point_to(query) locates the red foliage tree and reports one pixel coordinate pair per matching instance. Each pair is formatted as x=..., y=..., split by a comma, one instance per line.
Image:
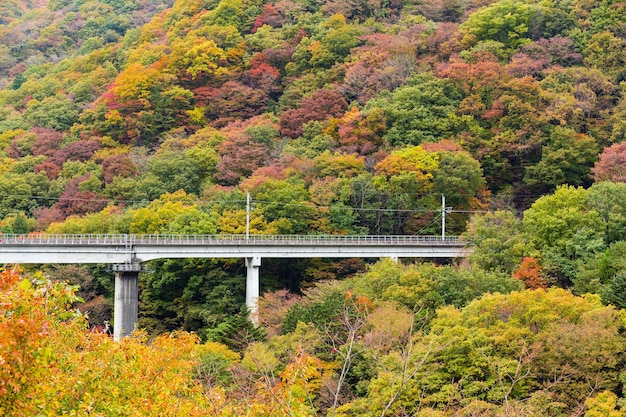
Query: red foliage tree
x=74, y=202
x=322, y=105
x=244, y=150
x=533, y=58
x=269, y=16
x=261, y=75
x=118, y=165
x=46, y=216
x=522, y=64
x=261, y=175
x=445, y=41
x=37, y=141
x=51, y=169
x=557, y=50
x=233, y=101
x=241, y=156
x=476, y=77
x=383, y=63
x=444, y=10
x=612, y=164
x=445, y=145
x=81, y=150
x=279, y=57
x=47, y=142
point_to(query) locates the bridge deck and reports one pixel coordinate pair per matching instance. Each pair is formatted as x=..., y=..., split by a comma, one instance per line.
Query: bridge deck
x=122, y=248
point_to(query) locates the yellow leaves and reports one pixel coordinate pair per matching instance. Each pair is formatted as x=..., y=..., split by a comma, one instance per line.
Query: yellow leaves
x=7, y=136
x=219, y=349
x=603, y=405
x=410, y=159
x=339, y=165
x=280, y=392
x=205, y=57
x=319, y=54
x=234, y=56
x=111, y=148
x=336, y=21
x=7, y=165
x=362, y=303
x=196, y=116
x=137, y=81
x=234, y=222
x=260, y=358
x=131, y=378
x=30, y=314
x=148, y=55
x=151, y=220
x=302, y=377
x=51, y=366
x=162, y=215
x=207, y=51
x=109, y=220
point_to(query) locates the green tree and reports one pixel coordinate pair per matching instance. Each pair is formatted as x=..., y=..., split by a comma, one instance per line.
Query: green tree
x=334, y=46
x=459, y=177
x=172, y=213
x=554, y=219
x=175, y=172
x=605, y=51
x=596, y=273
x=614, y=292
x=565, y=230
x=22, y=192
x=18, y=223
x=503, y=349
x=286, y=202
x=237, y=331
x=56, y=112
x=505, y=21
x=607, y=198
x=499, y=243
x=420, y=111
x=567, y=158
x=195, y=295
x=423, y=287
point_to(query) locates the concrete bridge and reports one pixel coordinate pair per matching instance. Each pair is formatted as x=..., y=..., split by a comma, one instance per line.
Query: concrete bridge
x=127, y=252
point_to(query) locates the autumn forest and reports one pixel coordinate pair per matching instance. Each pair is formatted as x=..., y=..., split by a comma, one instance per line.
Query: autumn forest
x=336, y=117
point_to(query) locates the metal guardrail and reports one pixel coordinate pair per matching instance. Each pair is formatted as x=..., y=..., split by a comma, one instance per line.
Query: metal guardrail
x=173, y=239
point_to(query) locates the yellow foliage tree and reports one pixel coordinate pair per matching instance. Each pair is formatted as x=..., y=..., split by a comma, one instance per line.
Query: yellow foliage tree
x=50, y=365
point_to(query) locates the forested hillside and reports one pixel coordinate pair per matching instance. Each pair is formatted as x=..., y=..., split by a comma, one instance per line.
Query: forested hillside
x=338, y=117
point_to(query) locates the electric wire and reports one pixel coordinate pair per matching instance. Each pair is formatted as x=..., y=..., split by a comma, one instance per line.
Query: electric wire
x=255, y=201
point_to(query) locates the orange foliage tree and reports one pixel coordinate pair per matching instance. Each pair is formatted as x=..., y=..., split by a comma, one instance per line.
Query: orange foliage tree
x=529, y=272
x=51, y=365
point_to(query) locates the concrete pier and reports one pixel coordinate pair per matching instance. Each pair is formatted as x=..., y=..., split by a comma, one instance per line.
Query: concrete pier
x=253, y=265
x=126, y=307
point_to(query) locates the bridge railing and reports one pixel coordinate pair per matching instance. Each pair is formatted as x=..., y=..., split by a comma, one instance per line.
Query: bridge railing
x=292, y=239
x=176, y=239
x=63, y=239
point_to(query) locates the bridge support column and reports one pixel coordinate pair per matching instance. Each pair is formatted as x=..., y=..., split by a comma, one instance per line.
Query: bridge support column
x=253, y=265
x=126, y=307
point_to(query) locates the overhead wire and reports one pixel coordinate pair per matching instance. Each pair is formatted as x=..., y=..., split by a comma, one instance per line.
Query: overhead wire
x=255, y=201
